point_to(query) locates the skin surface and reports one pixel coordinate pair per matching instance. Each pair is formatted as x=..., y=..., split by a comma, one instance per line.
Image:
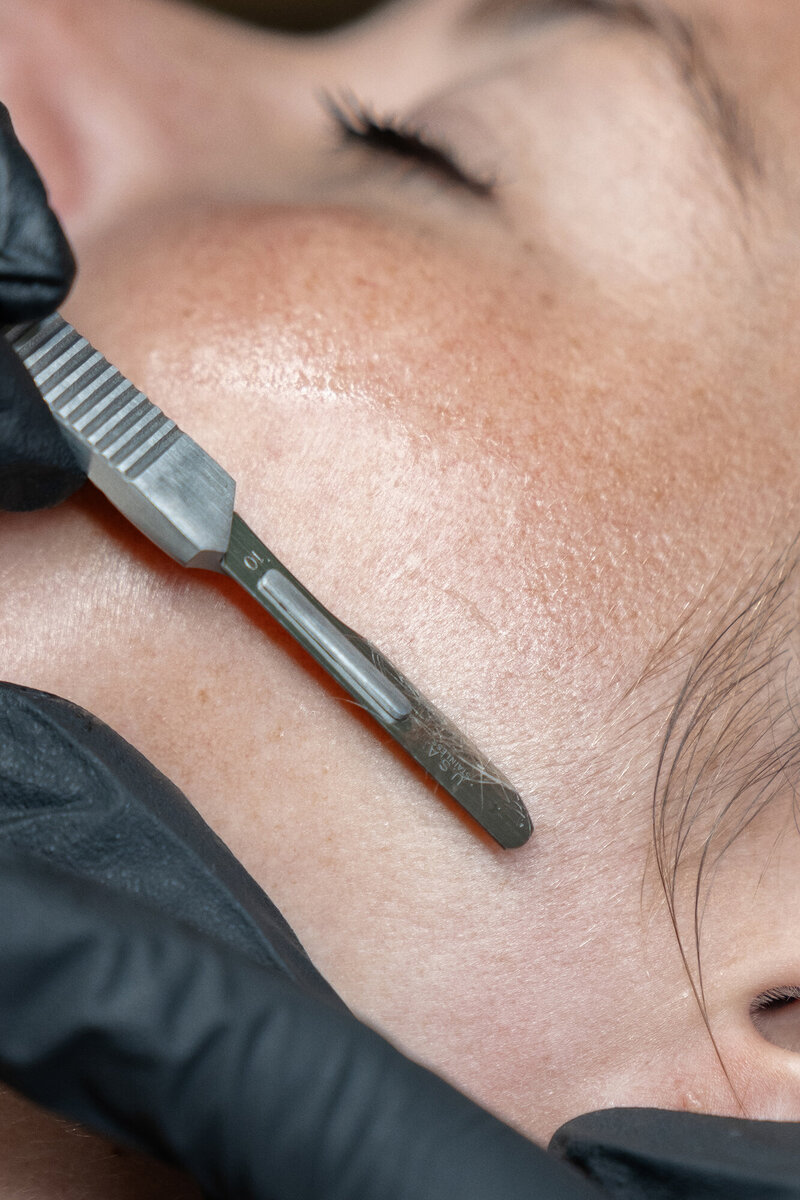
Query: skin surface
x=539, y=447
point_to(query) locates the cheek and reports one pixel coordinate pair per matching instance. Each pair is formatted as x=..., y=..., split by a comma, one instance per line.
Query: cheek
x=475, y=487
x=462, y=484
x=373, y=418
x=337, y=381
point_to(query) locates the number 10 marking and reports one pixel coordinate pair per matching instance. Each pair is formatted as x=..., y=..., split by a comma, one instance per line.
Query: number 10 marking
x=253, y=560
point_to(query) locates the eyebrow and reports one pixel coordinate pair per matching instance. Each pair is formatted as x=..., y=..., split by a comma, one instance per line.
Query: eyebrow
x=717, y=107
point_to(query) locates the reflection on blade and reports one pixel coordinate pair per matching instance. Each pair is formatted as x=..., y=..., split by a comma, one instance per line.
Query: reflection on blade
x=369, y=677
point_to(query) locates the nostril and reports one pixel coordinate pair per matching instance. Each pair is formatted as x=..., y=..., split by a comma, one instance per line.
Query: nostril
x=775, y=1013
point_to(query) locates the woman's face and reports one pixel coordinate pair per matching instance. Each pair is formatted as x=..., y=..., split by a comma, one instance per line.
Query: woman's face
x=530, y=425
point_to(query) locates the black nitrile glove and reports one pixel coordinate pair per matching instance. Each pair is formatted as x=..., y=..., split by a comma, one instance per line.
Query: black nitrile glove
x=650, y=1154
x=236, y=1061
x=76, y=794
x=175, y=1044
x=37, y=467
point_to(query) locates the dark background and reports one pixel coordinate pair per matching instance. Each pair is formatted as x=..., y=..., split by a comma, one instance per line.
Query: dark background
x=302, y=15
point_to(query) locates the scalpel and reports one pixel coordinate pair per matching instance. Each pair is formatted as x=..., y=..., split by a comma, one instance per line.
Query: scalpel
x=183, y=501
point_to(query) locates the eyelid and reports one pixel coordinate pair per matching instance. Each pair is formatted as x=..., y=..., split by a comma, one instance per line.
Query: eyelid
x=403, y=139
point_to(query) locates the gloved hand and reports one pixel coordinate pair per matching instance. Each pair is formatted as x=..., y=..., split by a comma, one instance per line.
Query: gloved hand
x=235, y=1060
x=37, y=468
x=223, y=1051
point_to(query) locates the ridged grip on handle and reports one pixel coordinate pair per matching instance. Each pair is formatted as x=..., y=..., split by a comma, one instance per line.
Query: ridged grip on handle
x=155, y=474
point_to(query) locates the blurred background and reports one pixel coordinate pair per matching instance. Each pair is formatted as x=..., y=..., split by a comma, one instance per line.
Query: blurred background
x=295, y=15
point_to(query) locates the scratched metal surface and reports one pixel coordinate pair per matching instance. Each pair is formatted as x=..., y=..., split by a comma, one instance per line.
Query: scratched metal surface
x=429, y=738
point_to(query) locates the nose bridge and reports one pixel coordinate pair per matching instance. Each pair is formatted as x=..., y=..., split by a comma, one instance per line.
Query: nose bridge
x=123, y=104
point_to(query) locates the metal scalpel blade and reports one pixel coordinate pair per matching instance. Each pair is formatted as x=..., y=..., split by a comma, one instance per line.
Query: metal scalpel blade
x=379, y=687
x=183, y=501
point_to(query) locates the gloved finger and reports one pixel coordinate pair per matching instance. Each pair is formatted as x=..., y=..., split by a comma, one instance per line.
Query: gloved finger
x=75, y=793
x=159, y=1037
x=641, y=1153
x=37, y=467
x=36, y=264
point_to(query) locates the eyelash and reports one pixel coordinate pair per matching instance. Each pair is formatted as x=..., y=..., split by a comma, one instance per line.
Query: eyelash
x=389, y=135
x=778, y=997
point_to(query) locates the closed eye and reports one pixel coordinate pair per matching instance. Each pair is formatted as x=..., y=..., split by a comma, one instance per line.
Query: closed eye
x=398, y=139
x=776, y=1016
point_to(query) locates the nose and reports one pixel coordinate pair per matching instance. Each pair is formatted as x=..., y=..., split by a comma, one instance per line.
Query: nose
x=119, y=106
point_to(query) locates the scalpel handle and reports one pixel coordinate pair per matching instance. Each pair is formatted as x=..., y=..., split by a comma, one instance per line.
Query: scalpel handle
x=183, y=501
x=154, y=473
